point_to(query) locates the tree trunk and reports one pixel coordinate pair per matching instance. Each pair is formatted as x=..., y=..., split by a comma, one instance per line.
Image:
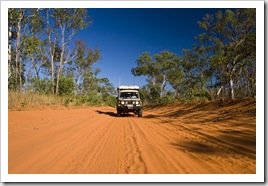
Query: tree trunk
x=52, y=71
x=219, y=91
x=163, y=87
x=58, y=78
x=224, y=91
x=203, y=87
x=9, y=44
x=20, y=73
x=249, y=91
x=231, y=88
x=57, y=83
x=61, y=57
x=211, y=84
x=52, y=46
x=9, y=50
x=59, y=73
x=18, y=49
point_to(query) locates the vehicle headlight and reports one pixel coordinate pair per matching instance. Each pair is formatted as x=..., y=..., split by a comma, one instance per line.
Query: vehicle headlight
x=122, y=102
x=137, y=102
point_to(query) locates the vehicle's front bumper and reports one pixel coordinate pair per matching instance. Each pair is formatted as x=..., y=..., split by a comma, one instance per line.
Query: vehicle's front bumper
x=129, y=107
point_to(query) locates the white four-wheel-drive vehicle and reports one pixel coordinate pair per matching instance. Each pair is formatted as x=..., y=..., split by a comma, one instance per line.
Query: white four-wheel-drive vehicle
x=128, y=100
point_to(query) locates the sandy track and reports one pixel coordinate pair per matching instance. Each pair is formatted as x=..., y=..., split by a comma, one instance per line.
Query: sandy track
x=94, y=140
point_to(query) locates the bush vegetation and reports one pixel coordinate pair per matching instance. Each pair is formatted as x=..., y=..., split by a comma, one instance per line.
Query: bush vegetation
x=43, y=68
x=30, y=101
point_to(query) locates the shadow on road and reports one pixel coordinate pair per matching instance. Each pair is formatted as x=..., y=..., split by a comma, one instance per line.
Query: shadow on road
x=150, y=116
x=225, y=143
x=112, y=114
x=107, y=113
x=196, y=147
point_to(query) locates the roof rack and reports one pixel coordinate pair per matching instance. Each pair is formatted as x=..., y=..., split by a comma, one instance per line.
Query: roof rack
x=133, y=87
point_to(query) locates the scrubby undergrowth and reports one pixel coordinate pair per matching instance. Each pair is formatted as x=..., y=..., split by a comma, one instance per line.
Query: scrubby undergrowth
x=33, y=101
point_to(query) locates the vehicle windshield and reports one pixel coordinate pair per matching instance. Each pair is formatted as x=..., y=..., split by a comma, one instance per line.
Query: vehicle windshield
x=125, y=95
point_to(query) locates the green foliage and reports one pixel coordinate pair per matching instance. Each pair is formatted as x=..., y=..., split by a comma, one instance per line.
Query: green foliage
x=204, y=94
x=158, y=69
x=31, y=44
x=68, y=100
x=93, y=99
x=41, y=85
x=90, y=82
x=224, y=56
x=107, y=92
x=14, y=79
x=110, y=100
x=144, y=94
x=166, y=100
x=232, y=42
x=13, y=82
x=66, y=85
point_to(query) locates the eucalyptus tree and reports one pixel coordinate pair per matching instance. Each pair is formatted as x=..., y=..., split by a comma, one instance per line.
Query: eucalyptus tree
x=15, y=34
x=33, y=45
x=105, y=88
x=52, y=37
x=176, y=76
x=157, y=69
x=68, y=22
x=232, y=36
x=62, y=24
x=197, y=70
x=22, y=25
x=13, y=16
x=83, y=62
x=165, y=61
x=90, y=82
x=146, y=66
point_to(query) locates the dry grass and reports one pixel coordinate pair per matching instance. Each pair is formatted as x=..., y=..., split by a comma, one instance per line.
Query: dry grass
x=30, y=101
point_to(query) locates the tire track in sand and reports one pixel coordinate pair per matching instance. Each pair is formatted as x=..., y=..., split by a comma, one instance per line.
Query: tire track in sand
x=206, y=148
x=49, y=149
x=87, y=141
x=87, y=159
x=134, y=160
x=159, y=155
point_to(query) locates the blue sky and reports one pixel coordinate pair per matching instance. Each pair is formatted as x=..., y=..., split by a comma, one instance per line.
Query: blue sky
x=124, y=34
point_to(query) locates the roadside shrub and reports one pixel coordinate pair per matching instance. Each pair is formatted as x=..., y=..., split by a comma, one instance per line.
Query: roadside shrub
x=41, y=85
x=66, y=85
x=110, y=100
x=21, y=101
x=203, y=94
x=92, y=98
x=166, y=100
x=68, y=100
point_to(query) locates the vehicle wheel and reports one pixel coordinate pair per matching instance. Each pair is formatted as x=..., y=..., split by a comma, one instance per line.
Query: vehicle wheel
x=118, y=112
x=140, y=113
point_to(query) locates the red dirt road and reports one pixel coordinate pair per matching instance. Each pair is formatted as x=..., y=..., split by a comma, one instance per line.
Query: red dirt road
x=166, y=140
